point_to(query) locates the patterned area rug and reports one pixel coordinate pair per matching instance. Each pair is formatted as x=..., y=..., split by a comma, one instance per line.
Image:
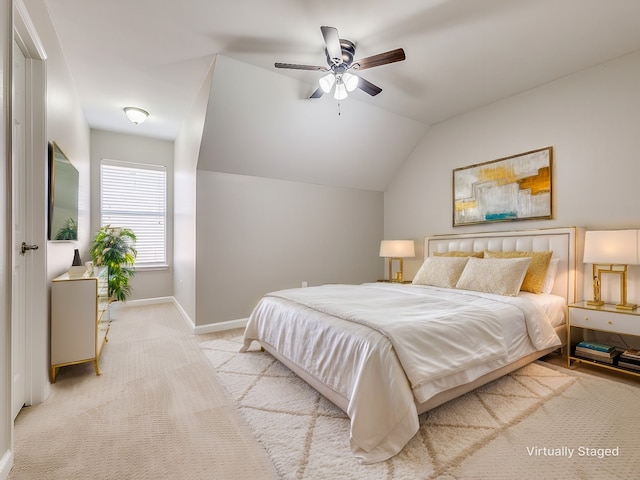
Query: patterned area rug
x=306, y=436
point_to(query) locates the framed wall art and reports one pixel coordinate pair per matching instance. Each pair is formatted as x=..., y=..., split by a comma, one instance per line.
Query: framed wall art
x=511, y=188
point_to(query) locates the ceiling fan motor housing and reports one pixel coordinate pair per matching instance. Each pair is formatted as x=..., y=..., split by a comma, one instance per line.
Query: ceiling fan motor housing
x=348, y=52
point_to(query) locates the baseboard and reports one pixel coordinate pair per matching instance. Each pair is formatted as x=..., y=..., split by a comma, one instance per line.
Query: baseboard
x=184, y=314
x=211, y=327
x=220, y=326
x=199, y=329
x=6, y=464
x=147, y=301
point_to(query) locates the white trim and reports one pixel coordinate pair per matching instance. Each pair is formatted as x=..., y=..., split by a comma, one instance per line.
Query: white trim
x=26, y=32
x=6, y=463
x=197, y=330
x=184, y=314
x=147, y=301
x=37, y=379
x=220, y=326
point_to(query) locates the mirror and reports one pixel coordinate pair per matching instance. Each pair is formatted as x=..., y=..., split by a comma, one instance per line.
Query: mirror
x=63, y=196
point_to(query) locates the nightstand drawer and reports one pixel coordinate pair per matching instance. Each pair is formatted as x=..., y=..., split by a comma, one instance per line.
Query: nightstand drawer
x=606, y=321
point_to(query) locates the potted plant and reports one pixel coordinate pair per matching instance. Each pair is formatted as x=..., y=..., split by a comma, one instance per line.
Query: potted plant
x=115, y=248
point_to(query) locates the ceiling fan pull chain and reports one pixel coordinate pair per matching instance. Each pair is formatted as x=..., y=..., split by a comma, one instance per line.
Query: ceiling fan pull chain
x=338, y=108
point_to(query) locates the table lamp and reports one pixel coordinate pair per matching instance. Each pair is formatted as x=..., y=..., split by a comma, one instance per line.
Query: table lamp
x=397, y=250
x=611, y=251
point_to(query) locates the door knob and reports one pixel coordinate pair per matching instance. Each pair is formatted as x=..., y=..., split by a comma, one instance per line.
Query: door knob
x=26, y=247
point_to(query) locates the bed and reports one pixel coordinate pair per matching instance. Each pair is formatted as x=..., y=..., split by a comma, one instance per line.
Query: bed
x=386, y=352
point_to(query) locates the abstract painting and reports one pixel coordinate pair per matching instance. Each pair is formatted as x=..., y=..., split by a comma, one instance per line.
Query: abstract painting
x=511, y=188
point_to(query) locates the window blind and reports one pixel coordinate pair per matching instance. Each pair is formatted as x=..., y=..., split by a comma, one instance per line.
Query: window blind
x=134, y=196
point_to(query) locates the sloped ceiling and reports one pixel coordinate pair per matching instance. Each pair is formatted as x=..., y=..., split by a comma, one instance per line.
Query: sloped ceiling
x=461, y=54
x=278, y=135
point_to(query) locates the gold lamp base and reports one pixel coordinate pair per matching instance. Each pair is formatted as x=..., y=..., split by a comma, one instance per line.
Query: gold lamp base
x=626, y=306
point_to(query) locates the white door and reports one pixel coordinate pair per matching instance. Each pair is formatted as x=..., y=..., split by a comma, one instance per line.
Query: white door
x=19, y=261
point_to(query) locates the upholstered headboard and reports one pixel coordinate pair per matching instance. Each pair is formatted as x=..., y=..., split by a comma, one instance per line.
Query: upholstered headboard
x=566, y=244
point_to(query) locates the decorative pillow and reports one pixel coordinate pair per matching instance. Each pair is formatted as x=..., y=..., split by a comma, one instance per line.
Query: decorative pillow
x=502, y=276
x=440, y=271
x=550, y=276
x=537, y=268
x=456, y=253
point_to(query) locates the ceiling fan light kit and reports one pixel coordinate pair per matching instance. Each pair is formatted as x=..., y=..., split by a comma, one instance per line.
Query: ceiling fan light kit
x=340, y=54
x=326, y=82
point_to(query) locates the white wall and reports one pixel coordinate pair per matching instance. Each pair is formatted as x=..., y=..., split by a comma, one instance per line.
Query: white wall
x=129, y=148
x=187, y=148
x=256, y=235
x=590, y=118
x=67, y=127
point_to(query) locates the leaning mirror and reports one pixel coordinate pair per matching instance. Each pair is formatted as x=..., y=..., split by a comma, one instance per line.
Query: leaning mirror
x=63, y=196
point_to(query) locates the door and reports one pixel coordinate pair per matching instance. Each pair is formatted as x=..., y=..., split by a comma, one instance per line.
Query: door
x=19, y=260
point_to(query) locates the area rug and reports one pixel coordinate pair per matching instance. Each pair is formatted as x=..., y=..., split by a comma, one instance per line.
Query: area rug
x=539, y=421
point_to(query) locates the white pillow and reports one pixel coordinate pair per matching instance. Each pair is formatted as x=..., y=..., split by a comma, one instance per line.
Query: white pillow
x=440, y=271
x=550, y=276
x=502, y=276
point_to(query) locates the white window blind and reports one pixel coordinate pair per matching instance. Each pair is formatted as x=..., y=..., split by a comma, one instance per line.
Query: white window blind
x=134, y=196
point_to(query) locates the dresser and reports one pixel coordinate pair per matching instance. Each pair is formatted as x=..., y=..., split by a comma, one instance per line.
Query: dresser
x=79, y=319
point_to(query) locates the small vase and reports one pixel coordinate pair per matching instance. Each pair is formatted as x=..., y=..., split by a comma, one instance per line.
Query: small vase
x=77, y=262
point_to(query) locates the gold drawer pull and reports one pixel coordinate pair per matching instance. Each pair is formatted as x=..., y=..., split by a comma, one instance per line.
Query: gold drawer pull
x=610, y=322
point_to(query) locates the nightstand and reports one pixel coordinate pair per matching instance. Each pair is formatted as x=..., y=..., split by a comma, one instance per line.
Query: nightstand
x=395, y=281
x=586, y=319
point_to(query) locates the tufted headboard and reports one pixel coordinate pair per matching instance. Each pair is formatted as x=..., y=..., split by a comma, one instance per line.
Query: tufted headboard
x=566, y=244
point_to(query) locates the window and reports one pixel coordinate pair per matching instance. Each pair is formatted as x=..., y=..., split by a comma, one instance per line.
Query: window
x=134, y=196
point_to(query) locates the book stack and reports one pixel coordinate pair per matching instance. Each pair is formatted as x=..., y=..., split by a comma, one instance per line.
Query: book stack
x=630, y=359
x=600, y=352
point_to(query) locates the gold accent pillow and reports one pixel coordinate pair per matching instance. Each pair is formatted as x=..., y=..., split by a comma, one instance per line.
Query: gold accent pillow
x=440, y=271
x=456, y=253
x=534, y=278
x=502, y=276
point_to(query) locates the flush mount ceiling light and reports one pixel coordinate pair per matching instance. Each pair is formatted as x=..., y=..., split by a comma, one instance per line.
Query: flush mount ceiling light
x=136, y=115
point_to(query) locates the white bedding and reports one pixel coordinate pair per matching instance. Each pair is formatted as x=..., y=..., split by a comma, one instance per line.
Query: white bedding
x=385, y=347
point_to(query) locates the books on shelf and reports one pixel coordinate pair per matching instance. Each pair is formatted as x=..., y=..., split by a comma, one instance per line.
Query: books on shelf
x=598, y=347
x=632, y=354
x=630, y=366
x=604, y=353
x=630, y=359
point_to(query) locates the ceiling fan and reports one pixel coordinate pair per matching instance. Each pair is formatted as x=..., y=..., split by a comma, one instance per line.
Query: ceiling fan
x=340, y=63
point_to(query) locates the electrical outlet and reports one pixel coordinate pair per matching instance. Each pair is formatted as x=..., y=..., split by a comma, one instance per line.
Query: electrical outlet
x=304, y=285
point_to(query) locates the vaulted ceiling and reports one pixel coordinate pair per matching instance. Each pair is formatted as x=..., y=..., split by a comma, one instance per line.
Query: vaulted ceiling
x=460, y=55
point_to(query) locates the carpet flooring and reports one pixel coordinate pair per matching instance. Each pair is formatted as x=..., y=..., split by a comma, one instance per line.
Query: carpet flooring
x=155, y=412
x=541, y=421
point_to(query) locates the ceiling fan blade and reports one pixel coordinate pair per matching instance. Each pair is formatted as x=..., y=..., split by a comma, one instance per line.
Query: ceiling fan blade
x=392, y=56
x=368, y=87
x=317, y=94
x=332, y=41
x=295, y=66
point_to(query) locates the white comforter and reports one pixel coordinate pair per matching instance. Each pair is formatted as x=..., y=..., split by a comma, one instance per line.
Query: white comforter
x=382, y=345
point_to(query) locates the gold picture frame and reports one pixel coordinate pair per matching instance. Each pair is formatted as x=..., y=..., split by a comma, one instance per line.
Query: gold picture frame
x=518, y=187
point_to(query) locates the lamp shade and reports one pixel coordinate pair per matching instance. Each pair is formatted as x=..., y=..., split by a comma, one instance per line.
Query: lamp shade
x=614, y=247
x=341, y=91
x=327, y=82
x=397, y=248
x=350, y=81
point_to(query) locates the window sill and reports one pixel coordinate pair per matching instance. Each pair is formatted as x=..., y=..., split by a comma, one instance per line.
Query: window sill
x=150, y=268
